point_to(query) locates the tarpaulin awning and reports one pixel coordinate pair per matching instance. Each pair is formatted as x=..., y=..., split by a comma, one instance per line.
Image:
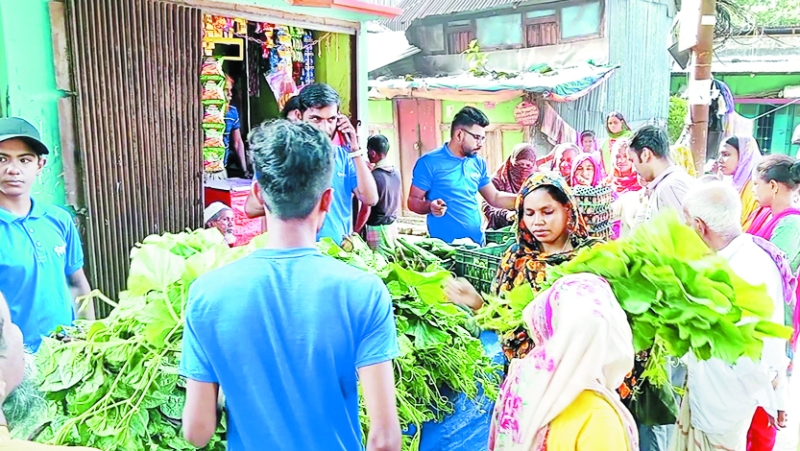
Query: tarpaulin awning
x=560, y=85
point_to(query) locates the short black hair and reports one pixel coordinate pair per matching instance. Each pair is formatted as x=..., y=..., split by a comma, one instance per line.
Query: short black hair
x=653, y=138
x=780, y=168
x=378, y=143
x=467, y=117
x=586, y=133
x=317, y=95
x=291, y=105
x=293, y=163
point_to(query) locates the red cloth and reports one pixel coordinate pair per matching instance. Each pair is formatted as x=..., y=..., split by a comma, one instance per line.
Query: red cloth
x=761, y=436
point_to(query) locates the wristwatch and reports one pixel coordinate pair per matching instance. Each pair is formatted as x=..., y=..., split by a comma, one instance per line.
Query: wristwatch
x=357, y=153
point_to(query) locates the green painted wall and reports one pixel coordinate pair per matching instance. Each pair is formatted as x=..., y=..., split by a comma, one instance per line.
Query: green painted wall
x=27, y=83
x=497, y=113
x=333, y=65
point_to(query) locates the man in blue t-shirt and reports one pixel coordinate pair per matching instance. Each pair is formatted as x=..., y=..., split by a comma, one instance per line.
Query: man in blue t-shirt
x=290, y=345
x=233, y=136
x=446, y=182
x=41, y=258
x=318, y=105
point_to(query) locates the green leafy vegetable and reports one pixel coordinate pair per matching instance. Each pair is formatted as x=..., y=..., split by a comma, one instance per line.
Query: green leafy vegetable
x=113, y=384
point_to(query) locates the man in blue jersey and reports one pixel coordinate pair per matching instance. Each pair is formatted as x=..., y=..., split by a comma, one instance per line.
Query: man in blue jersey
x=41, y=258
x=446, y=182
x=318, y=105
x=291, y=344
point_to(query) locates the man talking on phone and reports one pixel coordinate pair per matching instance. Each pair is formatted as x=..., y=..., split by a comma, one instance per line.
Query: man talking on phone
x=319, y=106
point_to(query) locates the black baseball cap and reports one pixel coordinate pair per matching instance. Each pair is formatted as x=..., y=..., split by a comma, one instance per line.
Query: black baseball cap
x=18, y=128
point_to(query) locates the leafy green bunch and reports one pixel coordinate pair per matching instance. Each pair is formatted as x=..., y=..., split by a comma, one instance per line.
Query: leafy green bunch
x=438, y=347
x=113, y=384
x=678, y=294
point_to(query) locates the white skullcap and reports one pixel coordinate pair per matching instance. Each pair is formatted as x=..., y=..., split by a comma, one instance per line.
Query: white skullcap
x=213, y=210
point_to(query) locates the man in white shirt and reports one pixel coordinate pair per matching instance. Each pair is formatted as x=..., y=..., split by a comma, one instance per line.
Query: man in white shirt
x=723, y=398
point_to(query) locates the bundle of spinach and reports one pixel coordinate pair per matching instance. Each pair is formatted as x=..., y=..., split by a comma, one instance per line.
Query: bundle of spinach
x=678, y=295
x=438, y=349
x=113, y=384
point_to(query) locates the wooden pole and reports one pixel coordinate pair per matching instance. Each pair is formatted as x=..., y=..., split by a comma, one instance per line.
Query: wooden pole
x=700, y=83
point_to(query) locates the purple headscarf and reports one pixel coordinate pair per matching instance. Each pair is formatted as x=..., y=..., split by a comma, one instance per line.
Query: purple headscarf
x=749, y=155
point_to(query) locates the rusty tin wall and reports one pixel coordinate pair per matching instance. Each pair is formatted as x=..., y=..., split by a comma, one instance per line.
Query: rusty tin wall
x=136, y=66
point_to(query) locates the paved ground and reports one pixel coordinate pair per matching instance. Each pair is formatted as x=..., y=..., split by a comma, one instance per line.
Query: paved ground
x=787, y=438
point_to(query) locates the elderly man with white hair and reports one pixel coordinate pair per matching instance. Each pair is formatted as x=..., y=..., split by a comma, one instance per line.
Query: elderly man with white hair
x=723, y=398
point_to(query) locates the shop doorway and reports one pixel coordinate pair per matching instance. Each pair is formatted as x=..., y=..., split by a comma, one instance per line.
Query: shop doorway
x=418, y=134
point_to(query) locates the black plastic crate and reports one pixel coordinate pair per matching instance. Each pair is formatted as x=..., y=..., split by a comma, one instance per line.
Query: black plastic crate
x=479, y=266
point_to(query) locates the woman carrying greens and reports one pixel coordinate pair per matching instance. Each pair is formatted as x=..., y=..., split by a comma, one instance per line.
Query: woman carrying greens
x=550, y=231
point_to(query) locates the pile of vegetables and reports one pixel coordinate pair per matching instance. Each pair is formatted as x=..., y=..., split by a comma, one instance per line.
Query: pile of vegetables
x=114, y=384
x=438, y=342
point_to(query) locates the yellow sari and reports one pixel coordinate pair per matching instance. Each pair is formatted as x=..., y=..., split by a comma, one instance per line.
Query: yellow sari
x=750, y=204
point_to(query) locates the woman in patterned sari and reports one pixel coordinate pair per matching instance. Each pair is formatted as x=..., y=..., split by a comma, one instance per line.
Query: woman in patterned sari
x=561, y=395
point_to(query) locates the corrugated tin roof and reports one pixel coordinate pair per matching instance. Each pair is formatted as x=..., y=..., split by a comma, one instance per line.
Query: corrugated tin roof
x=419, y=9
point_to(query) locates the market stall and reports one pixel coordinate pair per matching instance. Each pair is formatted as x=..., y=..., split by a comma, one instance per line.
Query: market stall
x=251, y=69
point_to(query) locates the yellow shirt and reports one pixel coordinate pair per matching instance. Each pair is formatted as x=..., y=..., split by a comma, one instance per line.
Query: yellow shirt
x=590, y=423
x=8, y=444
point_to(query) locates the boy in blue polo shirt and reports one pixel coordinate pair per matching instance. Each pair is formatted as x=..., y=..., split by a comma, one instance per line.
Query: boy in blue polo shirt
x=291, y=345
x=318, y=104
x=41, y=259
x=446, y=182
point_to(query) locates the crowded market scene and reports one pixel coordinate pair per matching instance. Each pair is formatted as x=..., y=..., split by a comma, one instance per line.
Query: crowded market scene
x=399, y=226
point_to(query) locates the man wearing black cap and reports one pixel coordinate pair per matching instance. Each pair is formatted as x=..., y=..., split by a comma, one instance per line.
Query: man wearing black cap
x=41, y=258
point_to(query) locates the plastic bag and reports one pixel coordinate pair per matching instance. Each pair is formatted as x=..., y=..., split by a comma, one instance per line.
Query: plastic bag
x=282, y=84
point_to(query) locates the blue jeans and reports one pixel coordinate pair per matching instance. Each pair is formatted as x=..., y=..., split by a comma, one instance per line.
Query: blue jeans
x=655, y=438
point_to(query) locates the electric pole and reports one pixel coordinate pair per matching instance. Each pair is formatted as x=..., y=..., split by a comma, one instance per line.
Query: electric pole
x=699, y=86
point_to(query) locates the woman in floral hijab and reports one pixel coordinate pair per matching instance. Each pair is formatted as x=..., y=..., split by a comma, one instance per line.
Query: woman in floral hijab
x=561, y=396
x=528, y=258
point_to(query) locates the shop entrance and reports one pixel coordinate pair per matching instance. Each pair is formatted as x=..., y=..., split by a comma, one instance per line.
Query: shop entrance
x=134, y=124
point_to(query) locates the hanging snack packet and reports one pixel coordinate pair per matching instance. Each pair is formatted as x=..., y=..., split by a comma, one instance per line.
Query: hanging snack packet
x=213, y=93
x=213, y=118
x=212, y=70
x=214, y=138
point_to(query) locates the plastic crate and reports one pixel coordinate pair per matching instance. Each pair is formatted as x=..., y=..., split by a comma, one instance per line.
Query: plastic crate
x=479, y=266
x=501, y=236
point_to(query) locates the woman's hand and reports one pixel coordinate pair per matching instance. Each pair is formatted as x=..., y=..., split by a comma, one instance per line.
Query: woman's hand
x=460, y=292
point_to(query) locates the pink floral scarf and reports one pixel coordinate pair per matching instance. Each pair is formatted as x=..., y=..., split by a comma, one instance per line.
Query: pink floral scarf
x=583, y=342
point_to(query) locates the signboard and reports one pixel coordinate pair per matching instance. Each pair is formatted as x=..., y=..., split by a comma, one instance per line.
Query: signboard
x=526, y=113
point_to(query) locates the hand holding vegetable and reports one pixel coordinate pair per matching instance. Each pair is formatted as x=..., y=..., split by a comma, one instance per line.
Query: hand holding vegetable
x=460, y=292
x=438, y=208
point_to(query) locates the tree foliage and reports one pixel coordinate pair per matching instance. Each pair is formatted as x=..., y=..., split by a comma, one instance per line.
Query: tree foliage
x=771, y=13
